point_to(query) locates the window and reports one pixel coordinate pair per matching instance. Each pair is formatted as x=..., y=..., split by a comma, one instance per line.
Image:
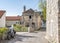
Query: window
x=33, y=24
x=20, y=23
x=30, y=17
x=27, y=25
x=17, y=22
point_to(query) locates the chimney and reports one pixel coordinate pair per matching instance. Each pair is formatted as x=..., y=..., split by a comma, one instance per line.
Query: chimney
x=24, y=8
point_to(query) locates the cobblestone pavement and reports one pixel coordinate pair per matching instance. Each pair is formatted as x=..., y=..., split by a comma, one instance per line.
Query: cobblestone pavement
x=25, y=37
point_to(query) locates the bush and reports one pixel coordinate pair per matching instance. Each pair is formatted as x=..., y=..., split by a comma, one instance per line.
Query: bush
x=3, y=31
x=20, y=28
x=24, y=29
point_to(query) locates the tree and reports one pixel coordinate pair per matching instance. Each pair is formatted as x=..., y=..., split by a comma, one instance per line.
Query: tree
x=42, y=6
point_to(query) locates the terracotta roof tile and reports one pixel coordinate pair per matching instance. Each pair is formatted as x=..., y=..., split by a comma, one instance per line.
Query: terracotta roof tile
x=2, y=12
x=13, y=18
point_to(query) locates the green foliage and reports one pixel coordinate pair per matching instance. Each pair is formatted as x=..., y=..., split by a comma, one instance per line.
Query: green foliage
x=3, y=31
x=24, y=29
x=20, y=28
x=42, y=6
x=44, y=13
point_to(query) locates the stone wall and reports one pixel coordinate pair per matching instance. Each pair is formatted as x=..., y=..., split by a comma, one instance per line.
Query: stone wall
x=52, y=21
x=59, y=20
x=9, y=23
x=34, y=22
x=3, y=20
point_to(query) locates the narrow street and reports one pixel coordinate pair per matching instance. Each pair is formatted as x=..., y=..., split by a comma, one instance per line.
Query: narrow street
x=25, y=37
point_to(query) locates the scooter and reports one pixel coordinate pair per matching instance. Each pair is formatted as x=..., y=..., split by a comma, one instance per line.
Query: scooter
x=11, y=34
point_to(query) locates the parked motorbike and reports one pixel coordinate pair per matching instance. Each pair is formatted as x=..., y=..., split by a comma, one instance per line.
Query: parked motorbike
x=11, y=34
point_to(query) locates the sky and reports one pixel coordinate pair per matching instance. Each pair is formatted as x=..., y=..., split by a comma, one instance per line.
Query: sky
x=15, y=7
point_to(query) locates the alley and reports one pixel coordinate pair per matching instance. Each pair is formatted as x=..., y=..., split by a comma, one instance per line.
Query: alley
x=25, y=37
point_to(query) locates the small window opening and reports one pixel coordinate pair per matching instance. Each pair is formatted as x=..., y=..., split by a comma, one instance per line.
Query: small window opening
x=30, y=17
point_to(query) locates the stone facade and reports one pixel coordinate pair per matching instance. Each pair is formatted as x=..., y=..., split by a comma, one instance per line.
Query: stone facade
x=31, y=18
x=53, y=26
x=2, y=18
x=10, y=20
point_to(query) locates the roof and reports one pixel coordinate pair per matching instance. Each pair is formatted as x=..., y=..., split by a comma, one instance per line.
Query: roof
x=1, y=13
x=13, y=18
x=29, y=11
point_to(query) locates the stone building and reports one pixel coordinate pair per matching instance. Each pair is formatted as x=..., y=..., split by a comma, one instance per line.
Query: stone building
x=53, y=21
x=2, y=18
x=10, y=20
x=31, y=18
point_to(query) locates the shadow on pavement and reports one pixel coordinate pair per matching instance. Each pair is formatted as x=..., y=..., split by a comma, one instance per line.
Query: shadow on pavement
x=19, y=38
x=22, y=37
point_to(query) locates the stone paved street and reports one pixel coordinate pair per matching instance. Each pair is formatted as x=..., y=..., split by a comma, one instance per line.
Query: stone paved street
x=25, y=37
